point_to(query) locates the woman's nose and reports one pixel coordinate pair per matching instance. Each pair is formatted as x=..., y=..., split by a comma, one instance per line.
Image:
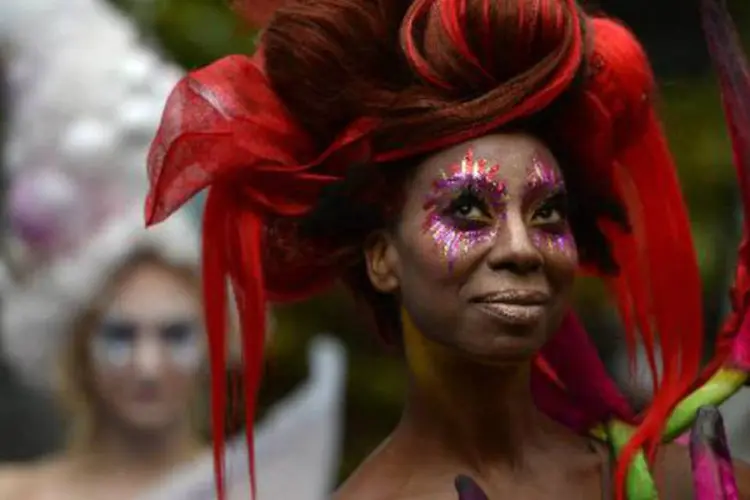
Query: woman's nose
x=514, y=249
x=148, y=358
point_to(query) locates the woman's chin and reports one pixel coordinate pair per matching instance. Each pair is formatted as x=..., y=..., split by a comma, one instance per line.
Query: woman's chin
x=495, y=340
x=504, y=348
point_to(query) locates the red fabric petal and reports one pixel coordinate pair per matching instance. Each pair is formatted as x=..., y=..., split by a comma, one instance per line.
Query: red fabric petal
x=223, y=124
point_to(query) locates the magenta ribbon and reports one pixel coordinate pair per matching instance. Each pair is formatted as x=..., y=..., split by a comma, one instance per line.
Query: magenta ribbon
x=713, y=474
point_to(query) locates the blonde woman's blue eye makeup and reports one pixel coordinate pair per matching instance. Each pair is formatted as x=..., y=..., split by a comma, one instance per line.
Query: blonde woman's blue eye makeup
x=115, y=341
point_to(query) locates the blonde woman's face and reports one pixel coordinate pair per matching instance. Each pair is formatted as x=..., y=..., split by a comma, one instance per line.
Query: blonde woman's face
x=148, y=348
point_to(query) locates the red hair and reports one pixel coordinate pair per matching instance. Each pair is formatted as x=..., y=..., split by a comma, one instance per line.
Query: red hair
x=340, y=84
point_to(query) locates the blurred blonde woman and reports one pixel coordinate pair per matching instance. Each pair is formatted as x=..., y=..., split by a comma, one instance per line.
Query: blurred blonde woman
x=123, y=317
x=131, y=350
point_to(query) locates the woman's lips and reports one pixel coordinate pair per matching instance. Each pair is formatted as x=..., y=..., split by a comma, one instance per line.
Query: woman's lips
x=514, y=307
x=513, y=314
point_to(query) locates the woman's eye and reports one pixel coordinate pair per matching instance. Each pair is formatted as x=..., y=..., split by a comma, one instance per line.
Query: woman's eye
x=552, y=211
x=118, y=332
x=548, y=215
x=177, y=333
x=468, y=207
x=468, y=211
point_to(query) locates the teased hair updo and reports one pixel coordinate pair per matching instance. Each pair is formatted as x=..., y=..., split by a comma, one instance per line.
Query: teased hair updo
x=422, y=67
x=430, y=70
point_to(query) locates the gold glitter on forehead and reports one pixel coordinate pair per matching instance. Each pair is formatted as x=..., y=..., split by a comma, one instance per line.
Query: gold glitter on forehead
x=541, y=173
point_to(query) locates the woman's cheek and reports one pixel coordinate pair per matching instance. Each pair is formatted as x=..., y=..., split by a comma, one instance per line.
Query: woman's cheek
x=558, y=246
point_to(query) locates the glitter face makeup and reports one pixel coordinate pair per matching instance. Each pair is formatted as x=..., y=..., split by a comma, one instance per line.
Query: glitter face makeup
x=546, y=242
x=479, y=257
x=463, y=206
x=543, y=177
x=469, y=200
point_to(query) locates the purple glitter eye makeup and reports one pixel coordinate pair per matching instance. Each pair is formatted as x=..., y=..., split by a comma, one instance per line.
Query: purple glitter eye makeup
x=543, y=177
x=463, y=205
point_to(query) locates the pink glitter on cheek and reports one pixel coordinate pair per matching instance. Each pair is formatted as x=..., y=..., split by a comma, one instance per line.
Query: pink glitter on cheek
x=555, y=243
x=474, y=176
x=453, y=243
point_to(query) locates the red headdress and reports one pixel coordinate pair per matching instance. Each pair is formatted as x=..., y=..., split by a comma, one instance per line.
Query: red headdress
x=226, y=127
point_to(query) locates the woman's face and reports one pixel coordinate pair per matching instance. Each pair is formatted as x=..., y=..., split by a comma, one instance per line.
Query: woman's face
x=148, y=349
x=483, y=258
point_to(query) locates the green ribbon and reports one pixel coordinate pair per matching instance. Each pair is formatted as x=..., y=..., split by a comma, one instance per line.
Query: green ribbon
x=720, y=387
x=640, y=484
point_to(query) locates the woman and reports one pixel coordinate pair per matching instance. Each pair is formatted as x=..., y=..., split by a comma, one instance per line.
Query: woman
x=456, y=163
x=131, y=366
x=132, y=369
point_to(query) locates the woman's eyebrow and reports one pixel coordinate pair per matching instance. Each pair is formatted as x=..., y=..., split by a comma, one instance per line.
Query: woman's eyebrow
x=540, y=173
x=546, y=193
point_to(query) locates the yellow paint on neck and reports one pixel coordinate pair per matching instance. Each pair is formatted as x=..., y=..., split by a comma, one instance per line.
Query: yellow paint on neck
x=424, y=356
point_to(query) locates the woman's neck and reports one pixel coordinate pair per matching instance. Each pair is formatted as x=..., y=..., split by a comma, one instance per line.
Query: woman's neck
x=117, y=447
x=479, y=414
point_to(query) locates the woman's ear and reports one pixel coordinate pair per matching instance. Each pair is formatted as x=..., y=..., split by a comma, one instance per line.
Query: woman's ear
x=381, y=258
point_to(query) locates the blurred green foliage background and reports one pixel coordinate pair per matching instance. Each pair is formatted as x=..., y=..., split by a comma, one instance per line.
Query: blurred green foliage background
x=196, y=32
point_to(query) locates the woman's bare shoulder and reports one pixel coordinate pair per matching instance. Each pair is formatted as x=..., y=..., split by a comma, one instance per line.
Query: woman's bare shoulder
x=22, y=480
x=15, y=479
x=383, y=475
x=369, y=482
x=8, y=481
x=675, y=477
